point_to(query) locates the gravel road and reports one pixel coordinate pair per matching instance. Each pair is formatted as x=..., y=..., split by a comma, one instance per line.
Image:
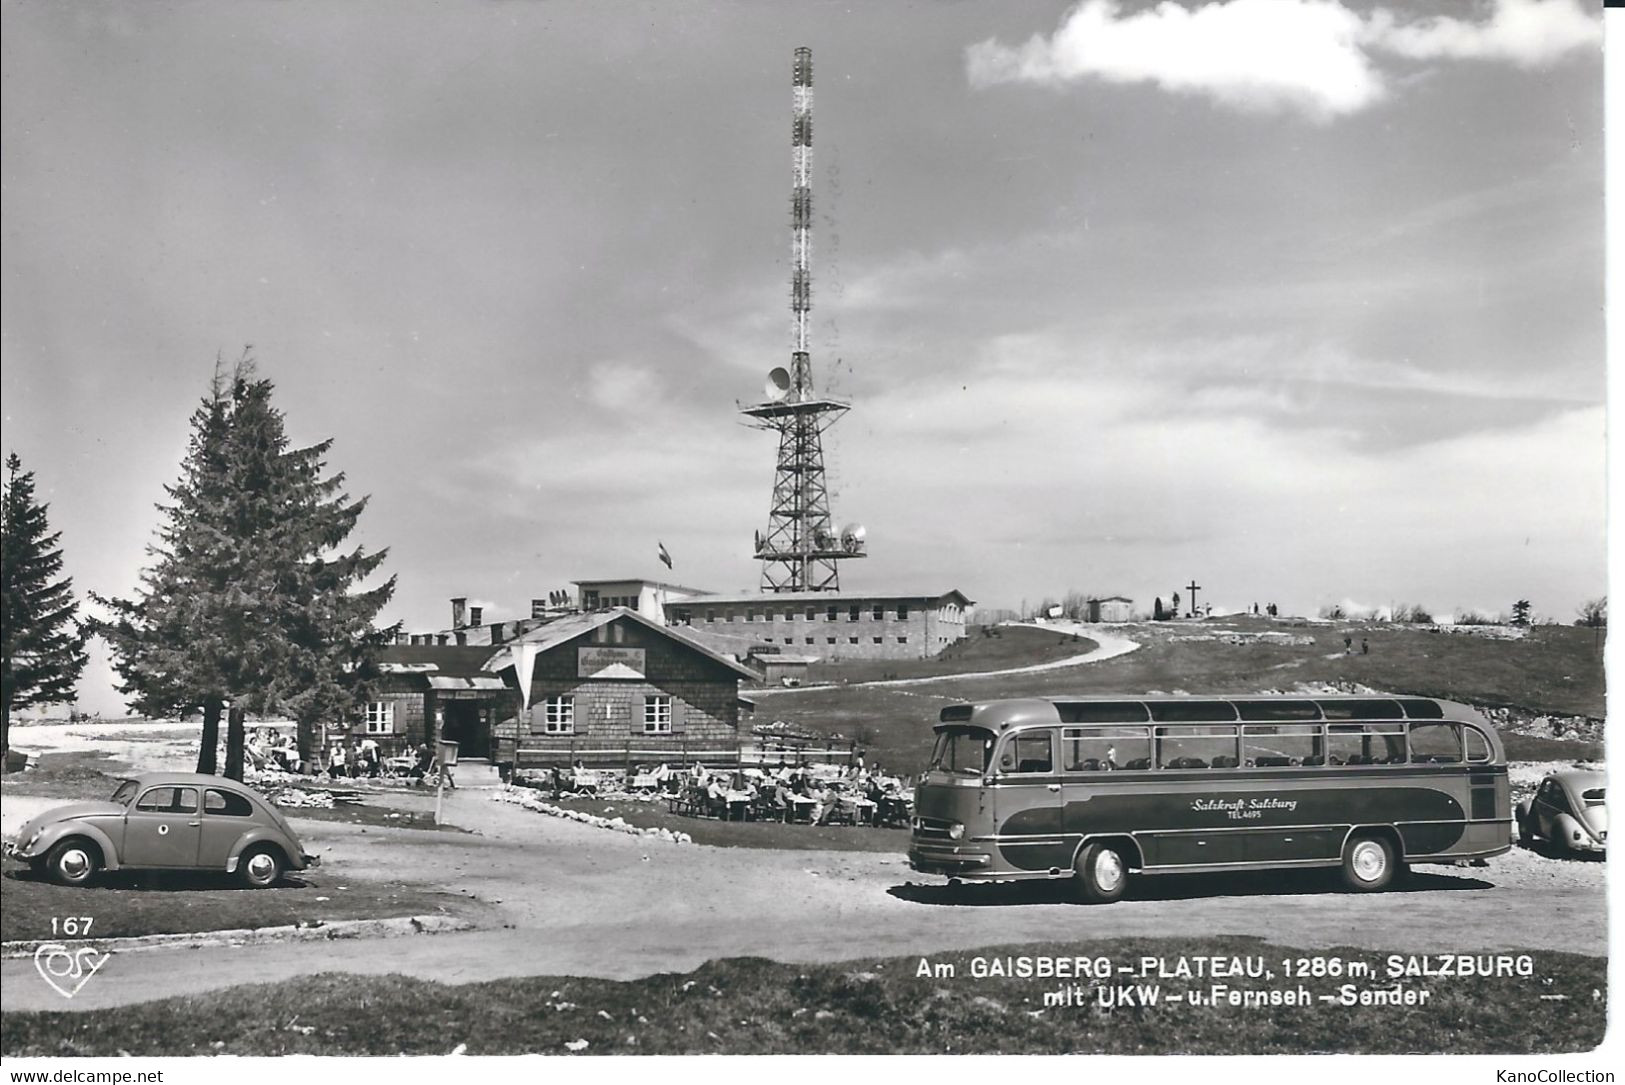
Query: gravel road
x=584, y=901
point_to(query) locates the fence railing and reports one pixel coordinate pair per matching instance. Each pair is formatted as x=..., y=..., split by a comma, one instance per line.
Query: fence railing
x=625, y=755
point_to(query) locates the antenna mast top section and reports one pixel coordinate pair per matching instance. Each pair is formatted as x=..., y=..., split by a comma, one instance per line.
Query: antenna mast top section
x=801, y=219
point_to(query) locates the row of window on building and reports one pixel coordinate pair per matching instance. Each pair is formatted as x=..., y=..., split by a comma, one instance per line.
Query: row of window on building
x=559, y=715
x=831, y=614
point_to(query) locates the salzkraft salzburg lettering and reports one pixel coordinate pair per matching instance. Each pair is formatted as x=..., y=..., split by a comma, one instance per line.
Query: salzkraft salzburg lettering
x=1245, y=808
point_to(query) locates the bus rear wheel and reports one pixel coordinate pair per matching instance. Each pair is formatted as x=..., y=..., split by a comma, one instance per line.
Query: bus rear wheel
x=1369, y=863
x=1100, y=874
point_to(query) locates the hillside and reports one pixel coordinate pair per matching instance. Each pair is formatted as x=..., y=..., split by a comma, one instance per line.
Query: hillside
x=1554, y=670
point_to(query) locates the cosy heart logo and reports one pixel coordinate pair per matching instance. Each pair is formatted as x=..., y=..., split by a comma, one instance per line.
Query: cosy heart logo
x=68, y=970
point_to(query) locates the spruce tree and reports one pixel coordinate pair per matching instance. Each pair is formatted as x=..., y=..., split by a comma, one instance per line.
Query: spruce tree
x=167, y=642
x=43, y=642
x=249, y=603
x=314, y=639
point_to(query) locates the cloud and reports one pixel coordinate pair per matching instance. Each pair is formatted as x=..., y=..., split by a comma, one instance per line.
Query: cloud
x=1309, y=56
x=1524, y=32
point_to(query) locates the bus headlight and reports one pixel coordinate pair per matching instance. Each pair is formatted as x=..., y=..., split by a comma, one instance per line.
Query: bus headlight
x=956, y=830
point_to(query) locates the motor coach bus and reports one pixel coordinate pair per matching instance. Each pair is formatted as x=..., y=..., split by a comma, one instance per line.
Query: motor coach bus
x=1094, y=788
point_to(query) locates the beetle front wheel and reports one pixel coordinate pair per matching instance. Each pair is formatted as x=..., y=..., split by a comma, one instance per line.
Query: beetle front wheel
x=73, y=862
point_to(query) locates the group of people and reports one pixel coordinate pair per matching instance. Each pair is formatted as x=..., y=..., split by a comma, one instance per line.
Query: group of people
x=787, y=793
x=269, y=748
x=363, y=760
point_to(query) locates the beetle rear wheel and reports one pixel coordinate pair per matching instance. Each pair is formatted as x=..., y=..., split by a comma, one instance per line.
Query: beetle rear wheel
x=73, y=862
x=260, y=868
x=1100, y=874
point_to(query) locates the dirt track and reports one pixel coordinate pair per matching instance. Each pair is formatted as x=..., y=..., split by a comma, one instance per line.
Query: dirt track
x=584, y=901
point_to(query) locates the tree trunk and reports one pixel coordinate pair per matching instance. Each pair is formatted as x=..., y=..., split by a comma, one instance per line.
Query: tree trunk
x=211, y=736
x=234, y=743
x=306, y=730
x=5, y=732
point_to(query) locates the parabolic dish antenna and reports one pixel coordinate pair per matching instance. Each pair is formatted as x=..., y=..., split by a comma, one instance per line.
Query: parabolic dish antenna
x=778, y=384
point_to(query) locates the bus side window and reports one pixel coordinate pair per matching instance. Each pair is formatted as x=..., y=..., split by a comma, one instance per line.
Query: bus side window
x=1281, y=745
x=1435, y=743
x=1030, y=753
x=1105, y=749
x=1197, y=746
x=1478, y=747
x=1365, y=744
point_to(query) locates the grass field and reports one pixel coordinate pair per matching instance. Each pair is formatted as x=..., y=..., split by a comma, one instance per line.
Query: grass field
x=1555, y=669
x=986, y=648
x=754, y=1006
x=124, y=905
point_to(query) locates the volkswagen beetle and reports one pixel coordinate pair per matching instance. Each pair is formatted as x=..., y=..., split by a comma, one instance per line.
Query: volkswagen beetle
x=164, y=821
x=1569, y=809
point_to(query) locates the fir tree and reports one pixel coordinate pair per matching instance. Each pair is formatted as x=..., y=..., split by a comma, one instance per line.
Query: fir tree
x=249, y=603
x=43, y=642
x=318, y=644
x=168, y=645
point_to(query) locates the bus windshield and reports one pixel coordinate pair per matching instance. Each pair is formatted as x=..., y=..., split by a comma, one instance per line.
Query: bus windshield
x=963, y=751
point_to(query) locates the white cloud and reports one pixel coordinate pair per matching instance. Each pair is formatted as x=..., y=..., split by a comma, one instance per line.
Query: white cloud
x=1525, y=32
x=617, y=386
x=1311, y=56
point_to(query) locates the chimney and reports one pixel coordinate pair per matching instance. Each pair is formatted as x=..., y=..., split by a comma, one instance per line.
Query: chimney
x=458, y=606
x=474, y=615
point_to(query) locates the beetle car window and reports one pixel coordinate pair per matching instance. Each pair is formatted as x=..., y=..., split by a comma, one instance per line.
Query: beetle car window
x=169, y=800
x=227, y=803
x=157, y=798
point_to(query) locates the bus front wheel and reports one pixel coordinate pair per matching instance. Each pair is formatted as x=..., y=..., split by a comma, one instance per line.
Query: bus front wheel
x=1369, y=863
x=1100, y=874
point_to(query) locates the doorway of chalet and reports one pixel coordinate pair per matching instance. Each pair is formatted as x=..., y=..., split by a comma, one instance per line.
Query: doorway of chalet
x=468, y=723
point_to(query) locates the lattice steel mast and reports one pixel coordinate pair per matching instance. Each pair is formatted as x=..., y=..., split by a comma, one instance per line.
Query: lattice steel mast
x=800, y=551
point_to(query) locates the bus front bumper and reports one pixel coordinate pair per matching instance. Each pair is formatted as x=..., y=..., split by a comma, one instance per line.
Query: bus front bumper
x=947, y=860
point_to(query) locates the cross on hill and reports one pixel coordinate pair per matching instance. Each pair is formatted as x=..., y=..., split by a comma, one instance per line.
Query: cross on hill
x=1193, y=587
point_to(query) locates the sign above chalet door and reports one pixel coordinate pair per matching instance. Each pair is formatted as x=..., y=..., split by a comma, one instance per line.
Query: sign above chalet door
x=597, y=662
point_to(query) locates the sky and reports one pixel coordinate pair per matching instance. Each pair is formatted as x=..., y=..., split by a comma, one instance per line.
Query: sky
x=1298, y=298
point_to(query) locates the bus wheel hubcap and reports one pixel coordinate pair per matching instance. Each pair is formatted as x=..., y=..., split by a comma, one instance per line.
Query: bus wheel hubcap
x=1108, y=870
x=75, y=864
x=261, y=867
x=1368, y=860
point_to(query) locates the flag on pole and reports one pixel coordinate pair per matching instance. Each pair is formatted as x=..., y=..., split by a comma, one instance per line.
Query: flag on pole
x=524, y=665
x=665, y=556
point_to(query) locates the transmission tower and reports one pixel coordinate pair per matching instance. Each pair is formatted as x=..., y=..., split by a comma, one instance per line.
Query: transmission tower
x=800, y=551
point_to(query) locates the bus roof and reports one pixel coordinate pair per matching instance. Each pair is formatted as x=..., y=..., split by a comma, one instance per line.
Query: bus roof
x=1001, y=715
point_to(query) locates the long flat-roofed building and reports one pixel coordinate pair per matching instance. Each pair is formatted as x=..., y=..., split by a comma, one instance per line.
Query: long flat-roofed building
x=830, y=625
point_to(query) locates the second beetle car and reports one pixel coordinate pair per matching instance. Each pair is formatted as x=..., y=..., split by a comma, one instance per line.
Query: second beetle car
x=1569, y=809
x=165, y=821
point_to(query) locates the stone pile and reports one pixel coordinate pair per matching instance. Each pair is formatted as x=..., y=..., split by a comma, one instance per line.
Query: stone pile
x=530, y=802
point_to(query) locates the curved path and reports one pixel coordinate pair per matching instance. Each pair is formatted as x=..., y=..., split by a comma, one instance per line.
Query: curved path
x=1107, y=646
